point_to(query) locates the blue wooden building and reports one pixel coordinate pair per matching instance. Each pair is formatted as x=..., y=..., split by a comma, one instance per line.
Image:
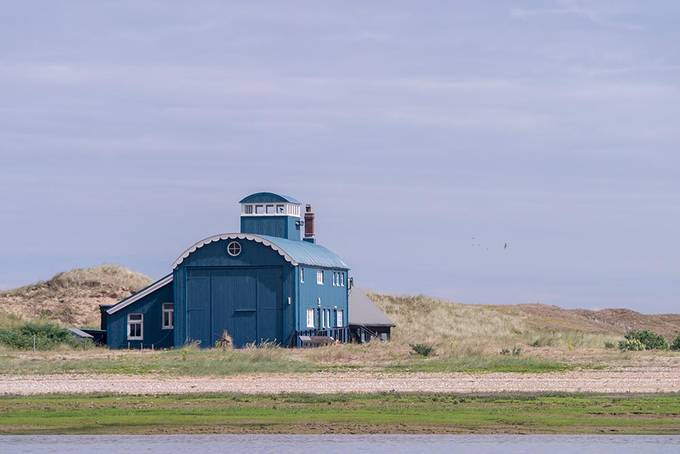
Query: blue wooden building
x=270, y=282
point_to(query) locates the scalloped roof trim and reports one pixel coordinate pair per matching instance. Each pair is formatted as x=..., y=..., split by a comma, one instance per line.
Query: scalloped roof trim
x=233, y=236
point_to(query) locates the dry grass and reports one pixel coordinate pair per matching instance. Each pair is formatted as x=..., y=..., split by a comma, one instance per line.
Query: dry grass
x=73, y=297
x=465, y=330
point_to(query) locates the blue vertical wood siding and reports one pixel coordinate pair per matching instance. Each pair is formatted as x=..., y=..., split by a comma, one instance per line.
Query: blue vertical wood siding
x=151, y=307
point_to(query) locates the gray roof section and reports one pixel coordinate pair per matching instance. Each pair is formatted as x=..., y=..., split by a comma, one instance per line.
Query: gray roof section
x=79, y=333
x=362, y=311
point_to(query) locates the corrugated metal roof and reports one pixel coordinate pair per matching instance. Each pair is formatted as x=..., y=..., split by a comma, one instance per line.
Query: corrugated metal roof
x=294, y=252
x=362, y=311
x=306, y=253
x=263, y=197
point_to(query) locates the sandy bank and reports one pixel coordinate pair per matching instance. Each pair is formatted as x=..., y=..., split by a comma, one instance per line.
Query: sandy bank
x=659, y=380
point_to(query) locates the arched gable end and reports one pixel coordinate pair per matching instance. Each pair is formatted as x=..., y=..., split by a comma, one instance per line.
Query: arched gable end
x=227, y=237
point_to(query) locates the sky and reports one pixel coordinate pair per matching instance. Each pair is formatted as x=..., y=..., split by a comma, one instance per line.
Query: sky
x=426, y=135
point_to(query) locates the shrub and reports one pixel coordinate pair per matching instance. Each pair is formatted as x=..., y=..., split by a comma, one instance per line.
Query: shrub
x=632, y=345
x=649, y=339
x=515, y=351
x=609, y=344
x=225, y=342
x=675, y=345
x=43, y=336
x=422, y=349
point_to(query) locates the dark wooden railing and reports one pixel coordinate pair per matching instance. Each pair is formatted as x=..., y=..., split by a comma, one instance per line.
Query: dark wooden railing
x=365, y=335
x=339, y=334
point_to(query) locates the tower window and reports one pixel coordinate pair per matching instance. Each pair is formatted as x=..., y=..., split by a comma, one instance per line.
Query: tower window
x=234, y=248
x=248, y=209
x=280, y=209
x=270, y=209
x=342, y=279
x=259, y=209
x=319, y=277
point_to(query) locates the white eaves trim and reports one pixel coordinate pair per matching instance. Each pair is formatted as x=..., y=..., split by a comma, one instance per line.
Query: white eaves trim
x=139, y=295
x=233, y=236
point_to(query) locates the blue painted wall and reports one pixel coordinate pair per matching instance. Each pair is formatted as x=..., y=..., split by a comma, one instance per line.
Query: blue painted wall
x=280, y=226
x=151, y=306
x=332, y=297
x=246, y=295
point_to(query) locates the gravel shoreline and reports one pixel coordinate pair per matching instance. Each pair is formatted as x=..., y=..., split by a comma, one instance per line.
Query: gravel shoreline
x=659, y=380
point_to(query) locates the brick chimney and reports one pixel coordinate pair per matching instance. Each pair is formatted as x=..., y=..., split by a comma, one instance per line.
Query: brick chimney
x=309, y=224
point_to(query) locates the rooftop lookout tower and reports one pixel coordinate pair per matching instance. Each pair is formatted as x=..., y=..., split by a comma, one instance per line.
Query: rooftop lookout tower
x=266, y=213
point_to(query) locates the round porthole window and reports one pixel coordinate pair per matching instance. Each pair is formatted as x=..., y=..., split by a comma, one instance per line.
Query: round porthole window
x=234, y=248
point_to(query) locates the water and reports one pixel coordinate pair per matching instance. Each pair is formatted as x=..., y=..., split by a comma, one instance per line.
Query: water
x=252, y=444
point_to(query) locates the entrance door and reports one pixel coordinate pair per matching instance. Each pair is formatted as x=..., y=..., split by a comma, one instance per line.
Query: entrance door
x=269, y=305
x=198, y=307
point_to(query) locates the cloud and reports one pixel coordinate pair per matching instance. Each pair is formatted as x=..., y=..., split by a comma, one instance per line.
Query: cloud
x=577, y=9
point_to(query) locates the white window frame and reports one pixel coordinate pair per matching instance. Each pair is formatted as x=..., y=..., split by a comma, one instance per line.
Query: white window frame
x=310, y=318
x=342, y=279
x=140, y=322
x=319, y=277
x=335, y=279
x=323, y=318
x=302, y=275
x=270, y=209
x=339, y=318
x=165, y=309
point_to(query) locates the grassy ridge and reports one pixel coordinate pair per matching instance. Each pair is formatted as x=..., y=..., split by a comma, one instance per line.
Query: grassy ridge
x=347, y=413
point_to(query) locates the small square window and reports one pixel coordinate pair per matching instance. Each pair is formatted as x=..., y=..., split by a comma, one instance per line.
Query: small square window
x=248, y=209
x=259, y=209
x=270, y=209
x=280, y=209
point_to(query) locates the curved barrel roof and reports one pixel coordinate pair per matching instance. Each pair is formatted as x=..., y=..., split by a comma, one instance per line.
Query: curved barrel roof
x=266, y=197
x=294, y=252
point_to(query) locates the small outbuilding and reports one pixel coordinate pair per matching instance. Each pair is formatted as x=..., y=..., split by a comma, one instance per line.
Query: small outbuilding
x=366, y=320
